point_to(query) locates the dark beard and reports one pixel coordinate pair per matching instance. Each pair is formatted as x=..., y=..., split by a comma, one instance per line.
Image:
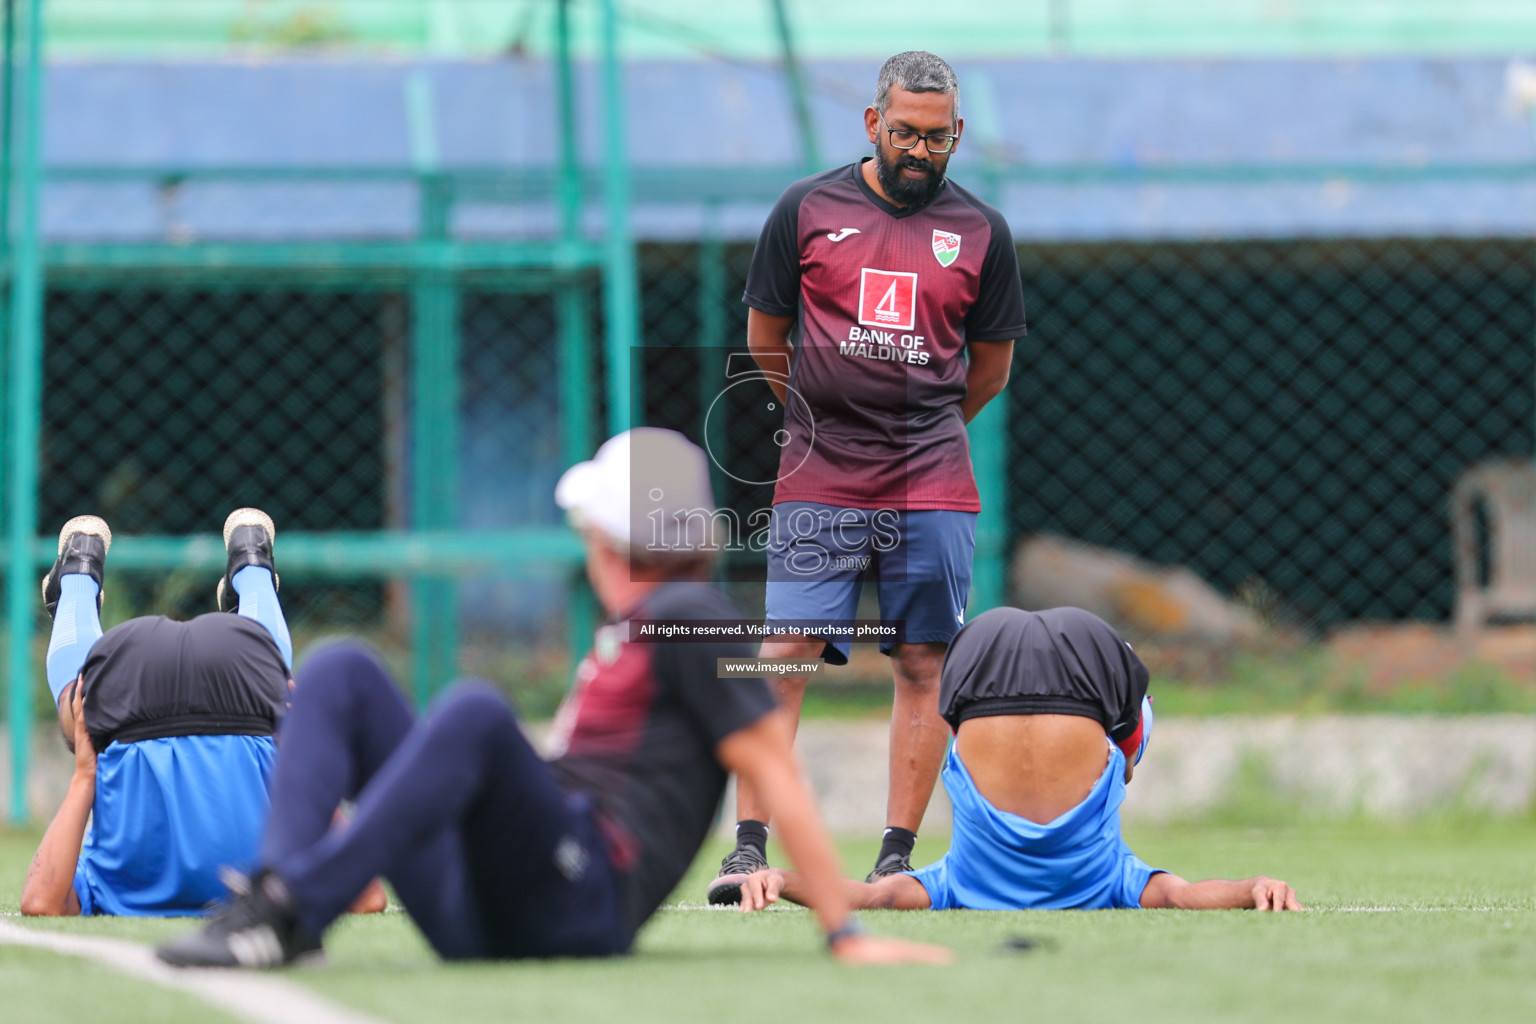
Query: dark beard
x=903, y=191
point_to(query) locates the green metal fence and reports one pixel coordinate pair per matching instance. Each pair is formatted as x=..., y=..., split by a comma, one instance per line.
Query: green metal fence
x=162, y=384
x=1284, y=419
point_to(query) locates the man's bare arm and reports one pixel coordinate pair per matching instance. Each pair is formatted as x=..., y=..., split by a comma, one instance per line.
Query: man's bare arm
x=1258, y=893
x=760, y=755
x=986, y=374
x=893, y=892
x=768, y=341
x=50, y=887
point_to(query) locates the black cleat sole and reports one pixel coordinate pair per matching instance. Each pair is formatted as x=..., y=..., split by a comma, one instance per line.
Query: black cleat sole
x=725, y=891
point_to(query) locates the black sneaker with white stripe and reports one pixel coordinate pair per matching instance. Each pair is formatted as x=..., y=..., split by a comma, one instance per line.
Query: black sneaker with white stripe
x=249, y=537
x=256, y=928
x=83, y=545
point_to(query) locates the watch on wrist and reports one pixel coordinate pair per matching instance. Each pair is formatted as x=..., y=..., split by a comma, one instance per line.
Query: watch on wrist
x=846, y=931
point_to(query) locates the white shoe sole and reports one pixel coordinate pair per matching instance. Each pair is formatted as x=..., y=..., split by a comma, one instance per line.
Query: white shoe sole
x=93, y=526
x=247, y=517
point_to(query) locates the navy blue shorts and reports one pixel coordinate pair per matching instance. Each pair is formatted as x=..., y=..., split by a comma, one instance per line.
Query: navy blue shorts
x=920, y=561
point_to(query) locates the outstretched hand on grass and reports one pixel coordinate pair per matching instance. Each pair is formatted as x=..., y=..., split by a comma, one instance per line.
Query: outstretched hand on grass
x=1260, y=892
x=760, y=888
x=1273, y=894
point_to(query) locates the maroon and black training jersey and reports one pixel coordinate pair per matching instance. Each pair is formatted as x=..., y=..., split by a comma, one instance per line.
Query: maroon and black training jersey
x=638, y=733
x=886, y=298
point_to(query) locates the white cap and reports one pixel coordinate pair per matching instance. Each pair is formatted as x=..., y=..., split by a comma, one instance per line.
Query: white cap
x=647, y=489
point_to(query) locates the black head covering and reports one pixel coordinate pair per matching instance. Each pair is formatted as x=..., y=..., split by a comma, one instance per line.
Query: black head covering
x=1061, y=661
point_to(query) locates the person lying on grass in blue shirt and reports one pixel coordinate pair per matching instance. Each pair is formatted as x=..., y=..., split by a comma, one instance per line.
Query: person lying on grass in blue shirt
x=172, y=727
x=1050, y=716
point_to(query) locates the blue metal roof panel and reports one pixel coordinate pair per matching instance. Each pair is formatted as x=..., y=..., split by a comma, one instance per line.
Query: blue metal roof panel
x=1123, y=116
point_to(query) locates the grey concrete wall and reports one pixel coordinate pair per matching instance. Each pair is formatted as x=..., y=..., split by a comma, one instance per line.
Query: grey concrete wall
x=1316, y=768
x=48, y=778
x=1376, y=766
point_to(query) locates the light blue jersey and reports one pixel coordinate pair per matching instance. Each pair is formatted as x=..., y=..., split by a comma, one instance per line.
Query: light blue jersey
x=168, y=814
x=1000, y=861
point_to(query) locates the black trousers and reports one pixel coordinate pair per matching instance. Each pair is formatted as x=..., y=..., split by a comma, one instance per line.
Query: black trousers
x=490, y=857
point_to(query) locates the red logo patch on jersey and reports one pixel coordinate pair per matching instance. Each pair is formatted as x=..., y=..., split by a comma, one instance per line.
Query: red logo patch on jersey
x=887, y=298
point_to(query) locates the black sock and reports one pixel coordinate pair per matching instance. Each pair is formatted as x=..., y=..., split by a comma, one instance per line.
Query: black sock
x=754, y=834
x=896, y=840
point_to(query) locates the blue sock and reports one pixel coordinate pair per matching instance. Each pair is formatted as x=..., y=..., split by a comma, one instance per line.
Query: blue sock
x=258, y=600
x=76, y=628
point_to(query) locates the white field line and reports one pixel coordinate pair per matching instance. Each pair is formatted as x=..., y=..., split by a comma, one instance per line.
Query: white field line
x=701, y=906
x=1411, y=909
x=1386, y=909
x=259, y=998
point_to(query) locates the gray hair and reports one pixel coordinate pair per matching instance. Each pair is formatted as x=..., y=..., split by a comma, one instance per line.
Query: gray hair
x=916, y=71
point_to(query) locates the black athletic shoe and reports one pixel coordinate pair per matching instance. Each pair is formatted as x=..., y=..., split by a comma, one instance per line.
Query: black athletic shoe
x=83, y=545
x=890, y=864
x=248, y=537
x=742, y=861
x=256, y=928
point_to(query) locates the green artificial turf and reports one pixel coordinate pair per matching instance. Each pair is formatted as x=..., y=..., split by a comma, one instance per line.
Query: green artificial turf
x=1429, y=922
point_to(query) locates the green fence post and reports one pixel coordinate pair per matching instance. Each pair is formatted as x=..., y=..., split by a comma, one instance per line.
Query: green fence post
x=25, y=393
x=565, y=96
x=712, y=342
x=1532, y=116
x=434, y=404
x=989, y=447
x=810, y=157
x=434, y=461
x=621, y=302
x=989, y=458
x=576, y=441
x=7, y=134
x=575, y=326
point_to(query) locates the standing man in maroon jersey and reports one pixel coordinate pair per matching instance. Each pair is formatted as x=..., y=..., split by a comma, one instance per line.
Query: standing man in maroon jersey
x=893, y=296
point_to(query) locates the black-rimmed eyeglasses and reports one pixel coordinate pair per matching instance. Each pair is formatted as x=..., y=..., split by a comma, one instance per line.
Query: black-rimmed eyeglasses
x=905, y=138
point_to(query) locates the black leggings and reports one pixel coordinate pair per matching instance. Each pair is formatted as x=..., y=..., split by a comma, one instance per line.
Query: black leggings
x=490, y=857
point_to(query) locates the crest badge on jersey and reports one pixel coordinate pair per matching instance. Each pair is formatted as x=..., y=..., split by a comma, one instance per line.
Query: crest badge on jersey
x=946, y=247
